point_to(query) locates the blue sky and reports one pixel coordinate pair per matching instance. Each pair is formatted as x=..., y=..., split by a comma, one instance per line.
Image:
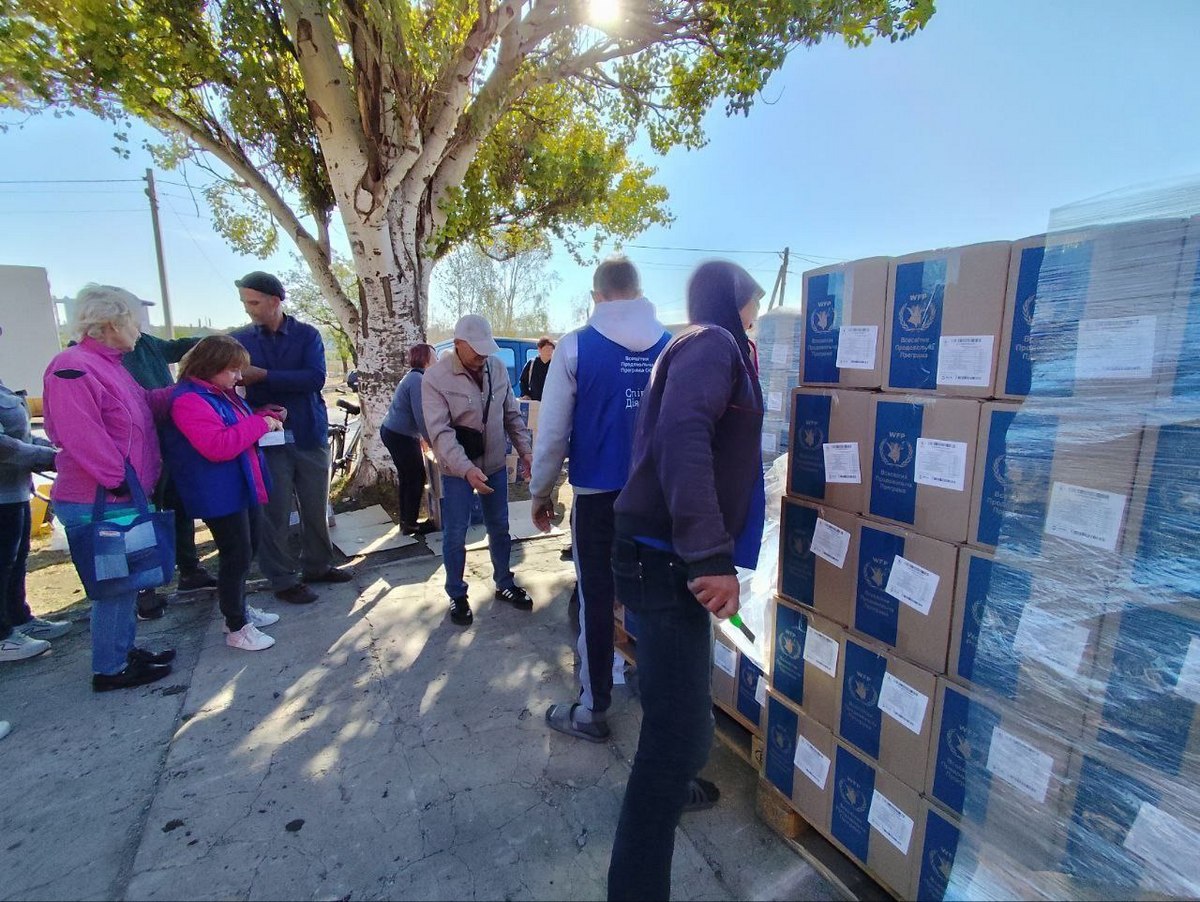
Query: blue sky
x=1000, y=111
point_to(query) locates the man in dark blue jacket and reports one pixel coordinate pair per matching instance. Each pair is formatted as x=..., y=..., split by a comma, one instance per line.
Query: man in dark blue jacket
x=288, y=370
x=692, y=510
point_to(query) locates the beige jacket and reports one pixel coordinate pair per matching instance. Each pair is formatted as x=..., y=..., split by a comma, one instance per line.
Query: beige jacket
x=450, y=397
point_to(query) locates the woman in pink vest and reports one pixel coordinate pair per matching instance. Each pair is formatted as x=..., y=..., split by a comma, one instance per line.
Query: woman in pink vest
x=99, y=417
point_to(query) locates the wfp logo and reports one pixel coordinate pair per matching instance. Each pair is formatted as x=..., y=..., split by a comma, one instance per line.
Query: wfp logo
x=780, y=738
x=1180, y=497
x=822, y=319
x=918, y=314
x=896, y=450
x=862, y=687
x=790, y=645
x=1000, y=469
x=876, y=571
x=941, y=861
x=1028, y=307
x=852, y=794
x=811, y=435
x=1099, y=823
x=801, y=542
x=749, y=678
x=1143, y=676
x=963, y=746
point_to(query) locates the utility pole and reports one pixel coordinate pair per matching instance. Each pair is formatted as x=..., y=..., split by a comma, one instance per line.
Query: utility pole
x=158, y=250
x=780, y=283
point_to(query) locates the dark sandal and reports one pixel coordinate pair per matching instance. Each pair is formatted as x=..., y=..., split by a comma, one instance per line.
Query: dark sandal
x=562, y=718
x=701, y=795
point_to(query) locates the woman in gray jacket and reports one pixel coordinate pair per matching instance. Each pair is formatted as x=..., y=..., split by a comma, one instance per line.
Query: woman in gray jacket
x=402, y=433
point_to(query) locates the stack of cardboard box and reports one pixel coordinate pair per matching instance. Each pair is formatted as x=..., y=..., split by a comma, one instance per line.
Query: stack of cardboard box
x=987, y=601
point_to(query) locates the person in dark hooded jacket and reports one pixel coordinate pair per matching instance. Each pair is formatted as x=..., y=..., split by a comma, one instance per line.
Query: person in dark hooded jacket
x=692, y=510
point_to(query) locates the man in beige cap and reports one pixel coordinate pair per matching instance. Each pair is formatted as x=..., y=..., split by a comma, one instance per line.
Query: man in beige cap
x=469, y=407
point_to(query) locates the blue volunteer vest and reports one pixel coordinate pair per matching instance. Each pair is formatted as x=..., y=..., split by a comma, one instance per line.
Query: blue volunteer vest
x=609, y=380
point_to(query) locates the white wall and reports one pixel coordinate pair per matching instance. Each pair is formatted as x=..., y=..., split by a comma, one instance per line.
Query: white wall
x=30, y=333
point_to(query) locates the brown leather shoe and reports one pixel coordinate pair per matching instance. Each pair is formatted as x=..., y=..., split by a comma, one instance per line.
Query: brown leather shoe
x=297, y=594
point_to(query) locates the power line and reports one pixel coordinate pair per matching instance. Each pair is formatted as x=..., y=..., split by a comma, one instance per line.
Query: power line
x=35, y=212
x=697, y=250
x=65, y=181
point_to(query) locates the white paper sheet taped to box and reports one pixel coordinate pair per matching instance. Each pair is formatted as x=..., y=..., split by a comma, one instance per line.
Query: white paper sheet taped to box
x=830, y=543
x=781, y=354
x=725, y=658
x=811, y=762
x=1188, y=683
x=841, y=462
x=770, y=442
x=1167, y=845
x=760, y=691
x=1084, y=515
x=941, y=464
x=1020, y=765
x=1120, y=348
x=965, y=360
x=856, y=347
x=893, y=824
x=903, y=703
x=774, y=400
x=912, y=584
x=1058, y=644
x=821, y=651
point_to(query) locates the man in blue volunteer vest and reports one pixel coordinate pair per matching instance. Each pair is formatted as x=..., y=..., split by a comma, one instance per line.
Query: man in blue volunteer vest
x=589, y=408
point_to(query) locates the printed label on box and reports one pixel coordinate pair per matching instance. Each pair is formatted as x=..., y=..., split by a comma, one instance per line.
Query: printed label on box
x=830, y=543
x=821, y=651
x=810, y=762
x=1165, y=843
x=1188, y=683
x=856, y=347
x=1058, y=644
x=841, y=462
x=725, y=658
x=760, y=693
x=1020, y=765
x=912, y=584
x=941, y=464
x=893, y=824
x=1088, y=516
x=775, y=400
x=903, y=703
x=781, y=354
x=770, y=443
x=965, y=360
x=1120, y=348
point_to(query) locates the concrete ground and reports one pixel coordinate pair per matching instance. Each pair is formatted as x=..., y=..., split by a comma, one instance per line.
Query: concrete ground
x=376, y=752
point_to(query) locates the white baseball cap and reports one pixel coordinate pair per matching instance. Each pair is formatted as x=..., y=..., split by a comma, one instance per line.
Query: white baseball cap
x=477, y=332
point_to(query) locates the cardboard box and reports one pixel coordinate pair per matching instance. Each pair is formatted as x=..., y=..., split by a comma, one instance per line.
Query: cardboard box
x=802, y=646
x=1052, y=480
x=1131, y=834
x=1000, y=772
x=806, y=578
x=848, y=299
x=724, y=673
x=918, y=627
x=1160, y=538
x=922, y=463
x=1024, y=638
x=797, y=760
x=885, y=709
x=1179, y=380
x=876, y=832
x=822, y=417
x=1148, y=671
x=751, y=687
x=945, y=312
x=1095, y=311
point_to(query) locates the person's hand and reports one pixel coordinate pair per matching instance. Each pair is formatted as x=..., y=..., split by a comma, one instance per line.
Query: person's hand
x=251, y=375
x=273, y=425
x=527, y=461
x=718, y=594
x=479, y=481
x=542, y=510
x=278, y=411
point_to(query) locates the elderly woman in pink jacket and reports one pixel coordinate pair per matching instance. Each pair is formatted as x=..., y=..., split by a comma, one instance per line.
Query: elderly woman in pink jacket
x=99, y=417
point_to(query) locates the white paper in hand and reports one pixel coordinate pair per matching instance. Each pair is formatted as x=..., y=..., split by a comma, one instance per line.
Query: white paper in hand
x=830, y=543
x=903, y=703
x=912, y=585
x=941, y=464
x=841, y=462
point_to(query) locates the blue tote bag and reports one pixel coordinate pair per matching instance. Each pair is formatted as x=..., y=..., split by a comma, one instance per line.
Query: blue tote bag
x=117, y=554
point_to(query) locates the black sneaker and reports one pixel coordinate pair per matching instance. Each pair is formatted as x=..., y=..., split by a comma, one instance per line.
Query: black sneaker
x=132, y=675
x=517, y=597
x=195, y=581
x=155, y=613
x=145, y=656
x=297, y=594
x=460, y=611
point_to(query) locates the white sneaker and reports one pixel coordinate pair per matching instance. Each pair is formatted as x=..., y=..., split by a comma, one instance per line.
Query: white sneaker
x=248, y=638
x=259, y=617
x=18, y=647
x=37, y=628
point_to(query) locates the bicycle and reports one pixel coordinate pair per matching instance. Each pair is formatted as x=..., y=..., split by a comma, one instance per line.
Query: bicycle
x=344, y=440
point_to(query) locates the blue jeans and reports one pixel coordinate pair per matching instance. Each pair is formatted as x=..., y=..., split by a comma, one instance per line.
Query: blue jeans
x=114, y=620
x=14, y=552
x=674, y=661
x=458, y=499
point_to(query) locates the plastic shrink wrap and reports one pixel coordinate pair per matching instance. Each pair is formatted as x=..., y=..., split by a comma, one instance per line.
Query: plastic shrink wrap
x=777, y=336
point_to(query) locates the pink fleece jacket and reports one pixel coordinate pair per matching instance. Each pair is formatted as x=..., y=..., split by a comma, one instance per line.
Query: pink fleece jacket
x=207, y=433
x=99, y=416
